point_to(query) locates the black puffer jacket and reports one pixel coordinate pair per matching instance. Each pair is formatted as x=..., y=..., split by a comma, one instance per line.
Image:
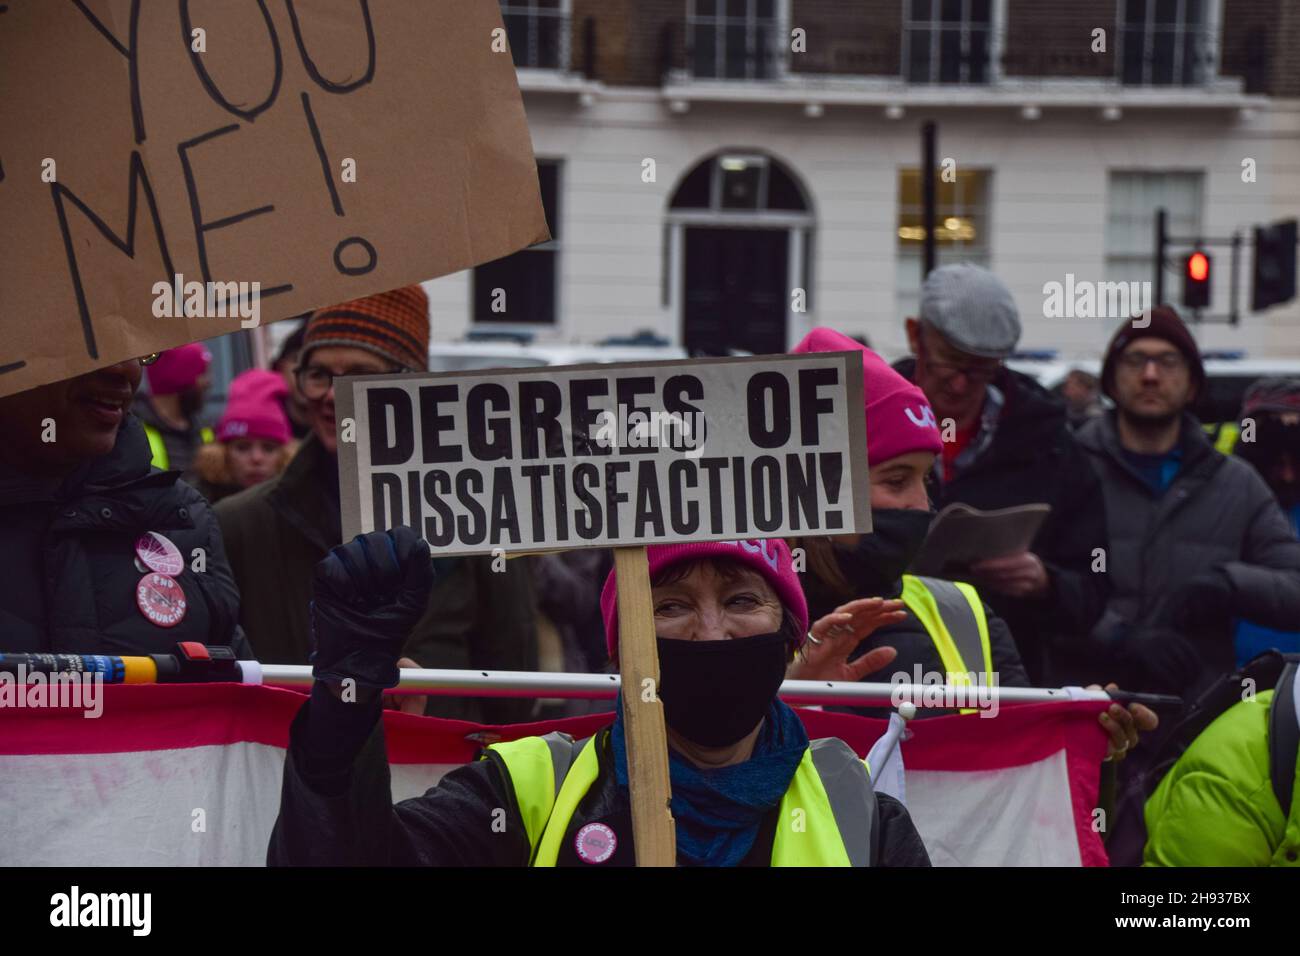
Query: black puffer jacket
x=69, y=576
x=1034, y=458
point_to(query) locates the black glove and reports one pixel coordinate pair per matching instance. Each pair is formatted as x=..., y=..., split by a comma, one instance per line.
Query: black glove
x=1205, y=603
x=366, y=596
x=1165, y=662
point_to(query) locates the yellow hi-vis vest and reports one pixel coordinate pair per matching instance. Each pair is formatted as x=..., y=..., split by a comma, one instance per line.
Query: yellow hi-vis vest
x=159, y=451
x=826, y=818
x=1224, y=435
x=953, y=614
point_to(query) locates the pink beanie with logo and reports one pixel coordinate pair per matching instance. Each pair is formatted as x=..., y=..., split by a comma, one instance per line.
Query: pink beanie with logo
x=770, y=557
x=255, y=408
x=177, y=369
x=899, y=417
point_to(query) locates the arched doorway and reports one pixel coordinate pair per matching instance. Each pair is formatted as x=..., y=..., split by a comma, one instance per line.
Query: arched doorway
x=740, y=241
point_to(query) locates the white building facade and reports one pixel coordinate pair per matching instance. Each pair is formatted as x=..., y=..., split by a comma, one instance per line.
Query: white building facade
x=739, y=211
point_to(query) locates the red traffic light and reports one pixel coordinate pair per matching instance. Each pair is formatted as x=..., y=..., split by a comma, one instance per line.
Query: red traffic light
x=1196, y=280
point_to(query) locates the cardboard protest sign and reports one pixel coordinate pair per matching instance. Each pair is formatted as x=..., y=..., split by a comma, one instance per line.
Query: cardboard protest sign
x=165, y=163
x=607, y=455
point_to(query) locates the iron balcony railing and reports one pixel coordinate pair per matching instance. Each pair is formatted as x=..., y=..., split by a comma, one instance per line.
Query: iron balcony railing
x=539, y=36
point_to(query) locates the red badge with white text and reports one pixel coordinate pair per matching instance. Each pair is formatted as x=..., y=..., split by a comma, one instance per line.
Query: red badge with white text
x=160, y=599
x=595, y=843
x=159, y=554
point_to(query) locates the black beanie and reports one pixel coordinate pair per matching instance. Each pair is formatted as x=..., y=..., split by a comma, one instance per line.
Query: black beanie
x=1163, y=323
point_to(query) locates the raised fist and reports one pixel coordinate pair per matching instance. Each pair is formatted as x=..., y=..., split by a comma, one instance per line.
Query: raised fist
x=366, y=596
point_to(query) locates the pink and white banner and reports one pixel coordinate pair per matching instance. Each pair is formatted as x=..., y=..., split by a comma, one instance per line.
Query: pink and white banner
x=189, y=775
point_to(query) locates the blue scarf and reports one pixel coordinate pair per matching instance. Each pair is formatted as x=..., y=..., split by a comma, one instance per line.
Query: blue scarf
x=718, y=812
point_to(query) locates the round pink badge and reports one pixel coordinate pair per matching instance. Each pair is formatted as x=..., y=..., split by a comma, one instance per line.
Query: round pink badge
x=596, y=843
x=160, y=599
x=158, y=553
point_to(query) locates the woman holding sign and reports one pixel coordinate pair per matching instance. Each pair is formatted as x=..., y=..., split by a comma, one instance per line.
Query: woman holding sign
x=748, y=787
x=936, y=626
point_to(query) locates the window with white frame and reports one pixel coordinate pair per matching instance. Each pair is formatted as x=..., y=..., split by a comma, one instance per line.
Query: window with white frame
x=947, y=41
x=1166, y=42
x=961, y=227
x=520, y=289
x=735, y=39
x=1132, y=200
x=538, y=31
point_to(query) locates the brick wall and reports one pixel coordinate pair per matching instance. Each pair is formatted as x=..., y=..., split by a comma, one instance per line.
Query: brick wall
x=1049, y=38
x=631, y=43
x=853, y=37
x=1260, y=42
x=1285, y=80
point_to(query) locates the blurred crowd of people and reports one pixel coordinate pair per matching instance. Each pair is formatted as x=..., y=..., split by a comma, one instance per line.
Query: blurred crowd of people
x=1162, y=565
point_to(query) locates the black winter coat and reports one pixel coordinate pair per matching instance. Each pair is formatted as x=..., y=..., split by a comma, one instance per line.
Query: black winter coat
x=1034, y=458
x=1218, y=513
x=347, y=818
x=69, y=575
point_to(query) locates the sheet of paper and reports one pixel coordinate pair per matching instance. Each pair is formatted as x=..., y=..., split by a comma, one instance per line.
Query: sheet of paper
x=962, y=535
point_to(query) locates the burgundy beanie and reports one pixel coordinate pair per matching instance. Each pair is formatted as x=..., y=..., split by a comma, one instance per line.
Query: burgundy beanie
x=770, y=557
x=899, y=417
x=1164, y=324
x=177, y=369
x=255, y=408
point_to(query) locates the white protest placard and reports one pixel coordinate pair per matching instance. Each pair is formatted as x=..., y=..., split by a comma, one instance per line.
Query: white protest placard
x=608, y=455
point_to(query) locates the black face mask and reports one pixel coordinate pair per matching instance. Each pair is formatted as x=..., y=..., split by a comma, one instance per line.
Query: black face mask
x=874, y=567
x=715, y=692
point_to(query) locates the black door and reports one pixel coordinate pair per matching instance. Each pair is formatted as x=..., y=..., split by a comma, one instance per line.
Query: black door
x=735, y=295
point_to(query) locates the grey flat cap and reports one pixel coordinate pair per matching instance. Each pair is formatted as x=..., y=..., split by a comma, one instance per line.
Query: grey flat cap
x=971, y=308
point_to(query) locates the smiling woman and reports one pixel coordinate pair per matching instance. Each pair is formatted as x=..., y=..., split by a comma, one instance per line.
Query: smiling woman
x=83, y=515
x=53, y=428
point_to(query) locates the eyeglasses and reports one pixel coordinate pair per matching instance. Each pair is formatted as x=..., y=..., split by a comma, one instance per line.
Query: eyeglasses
x=1165, y=361
x=947, y=371
x=980, y=374
x=315, y=381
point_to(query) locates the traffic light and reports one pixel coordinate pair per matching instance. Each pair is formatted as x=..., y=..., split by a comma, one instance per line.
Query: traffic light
x=1196, y=280
x=1274, y=265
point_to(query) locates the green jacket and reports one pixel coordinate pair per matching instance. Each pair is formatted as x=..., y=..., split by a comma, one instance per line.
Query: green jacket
x=1216, y=806
x=276, y=532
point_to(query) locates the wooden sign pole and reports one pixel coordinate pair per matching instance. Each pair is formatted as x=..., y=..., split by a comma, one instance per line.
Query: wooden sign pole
x=653, y=829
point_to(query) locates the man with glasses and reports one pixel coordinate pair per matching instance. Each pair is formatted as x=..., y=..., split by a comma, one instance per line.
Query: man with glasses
x=1197, y=538
x=1007, y=442
x=277, y=532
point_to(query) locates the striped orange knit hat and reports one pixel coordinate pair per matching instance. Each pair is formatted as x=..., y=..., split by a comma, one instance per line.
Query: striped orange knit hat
x=393, y=325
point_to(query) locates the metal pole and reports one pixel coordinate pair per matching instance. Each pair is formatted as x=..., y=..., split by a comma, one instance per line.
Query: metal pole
x=465, y=683
x=1233, y=315
x=929, y=197
x=1160, y=256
